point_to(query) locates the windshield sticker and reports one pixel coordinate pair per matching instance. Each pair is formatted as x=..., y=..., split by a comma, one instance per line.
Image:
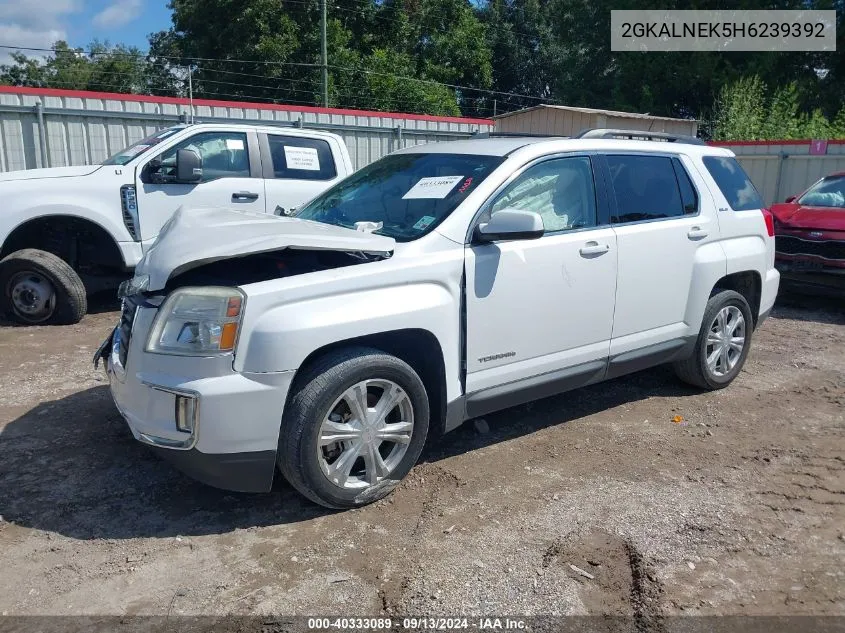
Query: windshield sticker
x=423, y=222
x=434, y=187
x=134, y=150
x=302, y=158
x=234, y=143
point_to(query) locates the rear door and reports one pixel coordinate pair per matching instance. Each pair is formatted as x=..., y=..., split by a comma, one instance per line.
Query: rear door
x=660, y=228
x=297, y=168
x=231, y=178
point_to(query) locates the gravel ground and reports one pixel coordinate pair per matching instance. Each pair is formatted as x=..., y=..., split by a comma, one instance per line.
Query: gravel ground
x=591, y=502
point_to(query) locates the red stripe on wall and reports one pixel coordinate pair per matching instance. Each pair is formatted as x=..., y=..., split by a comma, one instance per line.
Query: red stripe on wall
x=780, y=142
x=115, y=96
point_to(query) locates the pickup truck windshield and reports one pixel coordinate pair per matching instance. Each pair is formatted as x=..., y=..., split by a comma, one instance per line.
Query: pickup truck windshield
x=125, y=155
x=409, y=194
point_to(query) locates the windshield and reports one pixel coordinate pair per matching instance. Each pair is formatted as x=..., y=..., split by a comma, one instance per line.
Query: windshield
x=125, y=155
x=404, y=195
x=827, y=192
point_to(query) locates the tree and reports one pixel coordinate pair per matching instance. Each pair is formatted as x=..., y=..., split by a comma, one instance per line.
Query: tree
x=100, y=67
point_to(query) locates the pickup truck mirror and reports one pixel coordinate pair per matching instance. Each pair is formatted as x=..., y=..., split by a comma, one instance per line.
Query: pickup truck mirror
x=790, y=199
x=510, y=224
x=188, y=166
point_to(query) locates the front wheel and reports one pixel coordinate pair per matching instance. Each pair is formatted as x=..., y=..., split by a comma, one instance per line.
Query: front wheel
x=38, y=287
x=354, y=426
x=722, y=345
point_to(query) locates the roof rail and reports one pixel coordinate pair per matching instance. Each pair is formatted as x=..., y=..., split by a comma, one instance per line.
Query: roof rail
x=639, y=135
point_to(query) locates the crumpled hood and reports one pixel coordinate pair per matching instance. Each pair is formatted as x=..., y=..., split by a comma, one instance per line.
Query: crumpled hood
x=50, y=172
x=193, y=237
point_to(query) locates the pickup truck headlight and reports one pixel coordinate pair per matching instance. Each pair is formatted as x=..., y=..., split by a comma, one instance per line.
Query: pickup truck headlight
x=197, y=322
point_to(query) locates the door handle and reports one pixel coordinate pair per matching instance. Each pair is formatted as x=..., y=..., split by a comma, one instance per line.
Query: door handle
x=594, y=248
x=244, y=195
x=697, y=233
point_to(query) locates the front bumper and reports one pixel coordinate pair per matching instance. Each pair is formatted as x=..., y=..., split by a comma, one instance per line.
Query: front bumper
x=233, y=441
x=799, y=277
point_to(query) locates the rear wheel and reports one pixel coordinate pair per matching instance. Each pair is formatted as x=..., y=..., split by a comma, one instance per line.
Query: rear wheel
x=722, y=345
x=40, y=288
x=354, y=426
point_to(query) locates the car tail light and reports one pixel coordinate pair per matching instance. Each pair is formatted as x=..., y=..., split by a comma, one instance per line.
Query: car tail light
x=770, y=222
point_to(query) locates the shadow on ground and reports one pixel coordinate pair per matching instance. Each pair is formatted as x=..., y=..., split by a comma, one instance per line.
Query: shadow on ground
x=807, y=307
x=71, y=466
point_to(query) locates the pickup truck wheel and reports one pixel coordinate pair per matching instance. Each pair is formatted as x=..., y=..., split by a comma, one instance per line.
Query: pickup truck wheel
x=39, y=288
x=354, y=426
x=722, y=345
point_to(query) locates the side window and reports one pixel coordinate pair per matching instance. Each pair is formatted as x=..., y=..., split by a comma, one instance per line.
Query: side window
x=296, y=158
x=646, y=188
x=733, y=182
x=224, y=155
x=689, y=196
x=561, y=190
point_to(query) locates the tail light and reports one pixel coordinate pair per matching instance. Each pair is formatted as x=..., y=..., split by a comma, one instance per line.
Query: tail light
x=770, y=222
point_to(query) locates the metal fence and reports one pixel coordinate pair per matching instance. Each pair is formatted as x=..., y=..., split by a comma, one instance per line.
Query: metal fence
x=56, y=128
x=786, y=168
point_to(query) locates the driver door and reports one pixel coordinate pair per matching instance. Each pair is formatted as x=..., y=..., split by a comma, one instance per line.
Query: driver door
x=231, y=178
x=539, y=313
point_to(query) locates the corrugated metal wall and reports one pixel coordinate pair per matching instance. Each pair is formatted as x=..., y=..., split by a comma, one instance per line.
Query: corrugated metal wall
x=86, y=128
x=786, y=168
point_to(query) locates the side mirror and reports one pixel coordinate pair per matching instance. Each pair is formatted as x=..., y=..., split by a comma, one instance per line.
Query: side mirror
x=188, y=166
x=790, y=199
x=510, y=224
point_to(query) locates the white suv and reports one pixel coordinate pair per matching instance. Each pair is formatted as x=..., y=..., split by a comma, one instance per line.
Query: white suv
x=436, y=285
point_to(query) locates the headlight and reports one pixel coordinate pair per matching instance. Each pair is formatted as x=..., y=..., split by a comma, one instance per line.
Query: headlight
x=197, y=322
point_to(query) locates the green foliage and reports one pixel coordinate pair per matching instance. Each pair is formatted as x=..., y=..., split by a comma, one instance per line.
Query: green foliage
x=99, y=67
x=746, y=110
x=460, y=56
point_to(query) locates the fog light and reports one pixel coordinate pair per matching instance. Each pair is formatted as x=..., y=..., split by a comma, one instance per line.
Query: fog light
x=187, y=408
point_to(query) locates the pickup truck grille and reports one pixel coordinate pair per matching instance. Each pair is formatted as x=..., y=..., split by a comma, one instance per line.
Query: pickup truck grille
x=127, y=318
x=829, y=249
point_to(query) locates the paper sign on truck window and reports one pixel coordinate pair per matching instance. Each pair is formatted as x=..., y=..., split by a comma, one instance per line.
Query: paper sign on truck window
x=234, y=143
x=433, y=187
x=302, y=158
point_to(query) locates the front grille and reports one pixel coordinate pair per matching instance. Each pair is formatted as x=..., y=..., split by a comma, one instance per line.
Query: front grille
x=127, y=318
x=828, y=249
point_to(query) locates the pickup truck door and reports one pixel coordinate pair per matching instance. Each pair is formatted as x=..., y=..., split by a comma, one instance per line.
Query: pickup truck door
x=539, y=313
x=297, y=168
x=231, y=178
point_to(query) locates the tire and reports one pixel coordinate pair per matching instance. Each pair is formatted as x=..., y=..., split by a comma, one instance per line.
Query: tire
x=696, y=370
x=316, y=394
x=55, y=291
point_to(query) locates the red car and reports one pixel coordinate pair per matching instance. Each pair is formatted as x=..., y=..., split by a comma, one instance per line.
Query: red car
x=810, y=238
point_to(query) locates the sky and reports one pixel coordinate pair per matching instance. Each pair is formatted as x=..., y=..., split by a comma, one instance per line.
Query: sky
x=39, y=23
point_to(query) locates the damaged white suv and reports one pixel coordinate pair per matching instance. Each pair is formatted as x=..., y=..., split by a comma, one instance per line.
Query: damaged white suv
x=438, y=284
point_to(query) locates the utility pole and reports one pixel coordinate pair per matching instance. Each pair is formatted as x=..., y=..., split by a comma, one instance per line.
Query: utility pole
x=324, y=56
x=191, y=92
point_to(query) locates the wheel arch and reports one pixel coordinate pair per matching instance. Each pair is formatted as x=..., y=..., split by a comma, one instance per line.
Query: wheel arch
x=54, y=234
x=418, y=347
x=749, y=284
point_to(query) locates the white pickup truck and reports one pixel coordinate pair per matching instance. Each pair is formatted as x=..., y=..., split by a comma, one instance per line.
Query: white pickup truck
x=437, y=284
x=67, y=232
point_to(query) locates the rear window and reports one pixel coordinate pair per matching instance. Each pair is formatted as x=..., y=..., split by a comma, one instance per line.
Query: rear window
x=298, y=158
x=733, y=182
